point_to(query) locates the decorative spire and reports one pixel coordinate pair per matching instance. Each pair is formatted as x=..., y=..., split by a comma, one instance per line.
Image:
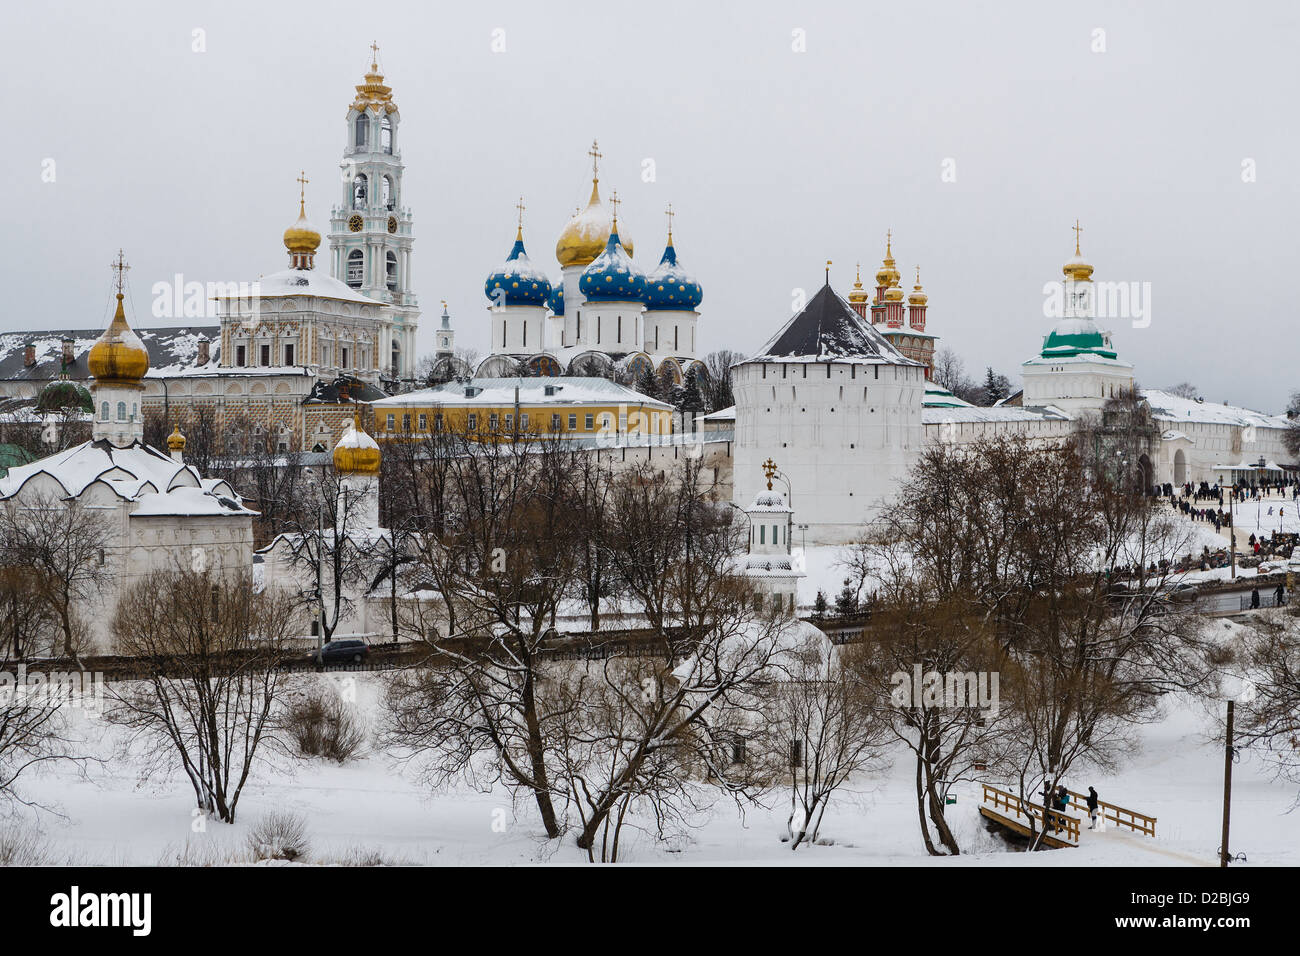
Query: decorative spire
x=1077, y=229
x=1077, y=268
x=614, y=203
x=301, y=239
x=373, y=93
x=917, y=297
x=596, y=156
x=669, y=213
x=120, y=266
x=302, y=193
x=519, y=234
x=769, y=469
x=859, y=294
x=828, y=272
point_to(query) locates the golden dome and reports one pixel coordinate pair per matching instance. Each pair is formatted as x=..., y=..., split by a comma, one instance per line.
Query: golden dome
x=356, y=453
x=301, y=237
x=916, y=296
x=894, y=294
x=118, y=357
x=176, y=441
x=858, y=294
x=373, y=92
x=1077, y=269
x=888, y=273
x=585, y=235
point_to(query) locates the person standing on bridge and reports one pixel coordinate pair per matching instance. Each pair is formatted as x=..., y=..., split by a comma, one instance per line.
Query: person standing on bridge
x=1092, y=807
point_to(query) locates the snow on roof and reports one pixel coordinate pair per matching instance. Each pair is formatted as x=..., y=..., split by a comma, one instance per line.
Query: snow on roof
x=172, y=351
x=1166, y=407
x=996, y=413
x=828, y=330
x=134, y=473
x=722, y=415
x=298, y=282
x=499, y=392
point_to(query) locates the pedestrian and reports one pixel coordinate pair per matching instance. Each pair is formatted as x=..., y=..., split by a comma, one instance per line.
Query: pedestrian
x=1254, y=598
x=1279, y=596
x=1092, y=807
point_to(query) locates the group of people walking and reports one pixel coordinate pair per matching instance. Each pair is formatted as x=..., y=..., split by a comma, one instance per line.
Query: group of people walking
x=1058, y=799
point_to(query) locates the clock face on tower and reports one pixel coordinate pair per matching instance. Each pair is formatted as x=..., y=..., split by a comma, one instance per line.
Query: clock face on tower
x=392, y=224
x=355, y=222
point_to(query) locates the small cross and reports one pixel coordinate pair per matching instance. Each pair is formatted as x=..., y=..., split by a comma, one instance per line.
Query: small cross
x=918, y=277
x=302, y=185
x=889, y=238
x=769, y=469
x=374, y=56
x=520, y=206
x=669, y=213
x=596, y=155
x=614, y=201
x=1077, y=229
x=121, y=268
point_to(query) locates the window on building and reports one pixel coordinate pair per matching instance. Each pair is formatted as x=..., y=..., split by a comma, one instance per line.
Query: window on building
x=356, y=273
x=437, y=422
x=590, y=422
x=555, y=423
x=288, y=355
x=523, y=422
x=392, y=423
x=423, y=421
x=386, y=191
x=359, y=190
x=265, y=353
x=406, y=423
x=605, y=421
x=103, y=412
x=472, y=422
x=121, y=411
x=492, y=422
x=386, y=135
x=390, y=270
x=738, y=750
x=241, y=356
x=796, y=746
x=344, y=363
x=362, y=130
x=573, y=423
x=510, y=423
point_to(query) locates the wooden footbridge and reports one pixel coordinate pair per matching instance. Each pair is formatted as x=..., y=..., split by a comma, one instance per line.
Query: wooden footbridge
x=1006, y=810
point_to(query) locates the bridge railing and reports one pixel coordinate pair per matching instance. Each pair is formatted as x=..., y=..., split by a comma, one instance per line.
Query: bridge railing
x=1138, y=822
x=1057, y=823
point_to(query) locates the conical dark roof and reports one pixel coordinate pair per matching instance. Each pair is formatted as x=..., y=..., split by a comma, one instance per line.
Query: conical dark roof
x=828, y=330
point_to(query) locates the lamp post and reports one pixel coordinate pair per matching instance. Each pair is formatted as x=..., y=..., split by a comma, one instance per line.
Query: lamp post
x=1232, y=688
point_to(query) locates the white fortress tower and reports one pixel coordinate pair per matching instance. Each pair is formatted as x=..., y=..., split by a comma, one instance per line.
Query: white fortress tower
x=839, y=406
x=371, y=231
x=1077, y=369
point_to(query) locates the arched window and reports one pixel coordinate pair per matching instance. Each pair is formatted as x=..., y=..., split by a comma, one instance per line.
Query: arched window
x=363, y=127
x=390, y=270
x=359, y=184
x=386, y=135
x=121, y=411
x=397, y=359
x=356, y=268
x=103, y=412
x=386, y=191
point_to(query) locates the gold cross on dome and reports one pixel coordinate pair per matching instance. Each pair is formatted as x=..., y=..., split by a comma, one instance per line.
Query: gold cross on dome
x=669, y=213
x=614, y=201
x=1077, y=229
x=889, y=240
x=520, y=206
x=302, y=181
x=119, y=266
x=769, y=469
x=596, y=155
x=374, y=55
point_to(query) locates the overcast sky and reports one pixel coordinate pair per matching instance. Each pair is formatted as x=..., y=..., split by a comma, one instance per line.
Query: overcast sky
x=774, y=160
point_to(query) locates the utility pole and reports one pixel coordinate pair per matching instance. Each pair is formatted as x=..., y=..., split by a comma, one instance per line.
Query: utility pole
x=1227, y=789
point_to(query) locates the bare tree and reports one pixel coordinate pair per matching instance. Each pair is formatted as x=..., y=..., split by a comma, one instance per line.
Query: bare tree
x=1184, y=390
x=717, y=384
x=214, y=648
x=66, y=546
x=1269, y=720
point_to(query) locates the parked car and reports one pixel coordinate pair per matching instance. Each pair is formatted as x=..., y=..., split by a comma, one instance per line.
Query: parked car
x=340, y=652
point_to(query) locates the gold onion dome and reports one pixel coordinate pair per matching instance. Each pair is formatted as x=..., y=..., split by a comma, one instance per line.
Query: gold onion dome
x=858, y=294
x=176, y=441
x=1077, y=268
x=301, y=237
x=356, y=453
x=888, y=273
x=916, y=296
x=118, y=357
x=586, y=234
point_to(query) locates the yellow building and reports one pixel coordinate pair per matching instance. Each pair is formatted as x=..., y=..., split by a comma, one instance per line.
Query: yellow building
x=566, y=406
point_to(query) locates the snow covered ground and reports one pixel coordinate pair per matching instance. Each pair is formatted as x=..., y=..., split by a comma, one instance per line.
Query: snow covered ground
x=111, y=816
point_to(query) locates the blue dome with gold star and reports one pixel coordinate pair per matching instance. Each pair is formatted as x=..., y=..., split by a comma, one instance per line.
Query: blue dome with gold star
x=612, y=276
x=555, y=301
x=670, y=286
x=519, y=282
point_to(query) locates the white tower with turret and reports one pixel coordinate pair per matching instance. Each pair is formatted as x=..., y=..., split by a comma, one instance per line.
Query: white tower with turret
x=370, y=230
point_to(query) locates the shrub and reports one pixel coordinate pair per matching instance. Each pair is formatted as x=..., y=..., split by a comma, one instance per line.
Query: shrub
x=279, y=835
x=322, y=725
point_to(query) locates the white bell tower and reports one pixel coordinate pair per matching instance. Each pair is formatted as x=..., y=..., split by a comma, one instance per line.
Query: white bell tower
x=371, y=231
